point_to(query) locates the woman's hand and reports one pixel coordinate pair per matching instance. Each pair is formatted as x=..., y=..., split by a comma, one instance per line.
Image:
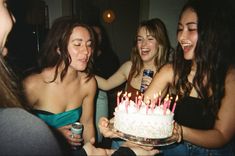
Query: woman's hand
x=177, y=132
x=105, y=130
x=92, y=150
x=73, y=139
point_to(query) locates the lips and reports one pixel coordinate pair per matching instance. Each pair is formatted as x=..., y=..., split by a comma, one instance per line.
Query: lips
x=187, y=48
x=83, y=60
x=144, y=51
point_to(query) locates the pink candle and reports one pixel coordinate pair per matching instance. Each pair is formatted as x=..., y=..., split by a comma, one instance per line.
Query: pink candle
x=124, y=96
x=173, y=109
x=136, y=98
x=118, y=97
x=169, y=102
x=139, y=101
x=147, y=106
x=159, y=99
x=165, y=104
x=128, y=98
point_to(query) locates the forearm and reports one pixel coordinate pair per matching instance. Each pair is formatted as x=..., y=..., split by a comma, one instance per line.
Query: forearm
x=205, y=138
x=102, y=83
x=88, y=132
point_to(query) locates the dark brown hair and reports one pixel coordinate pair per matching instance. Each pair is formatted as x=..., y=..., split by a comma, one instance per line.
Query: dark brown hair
x=58, y=38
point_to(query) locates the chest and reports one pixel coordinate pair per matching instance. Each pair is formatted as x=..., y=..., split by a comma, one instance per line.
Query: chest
x=58, y=97
x=135, y=82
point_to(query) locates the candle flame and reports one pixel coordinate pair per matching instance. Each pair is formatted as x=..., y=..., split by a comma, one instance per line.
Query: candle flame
x=148, y=102
x=176, y=98
x=119, y=93
x=154, y=96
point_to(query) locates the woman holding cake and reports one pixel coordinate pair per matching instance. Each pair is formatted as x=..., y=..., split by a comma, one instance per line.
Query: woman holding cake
x=151, y=51
x=203, y=74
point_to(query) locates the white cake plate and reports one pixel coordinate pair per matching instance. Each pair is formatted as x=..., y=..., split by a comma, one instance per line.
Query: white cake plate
x=144, y=141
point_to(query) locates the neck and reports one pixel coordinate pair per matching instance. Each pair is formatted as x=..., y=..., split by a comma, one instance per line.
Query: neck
x=70, y=76
x=149, y=65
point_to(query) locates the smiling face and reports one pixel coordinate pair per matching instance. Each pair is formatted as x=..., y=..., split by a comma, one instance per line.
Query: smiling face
x=187, y=33
x=147, y=45
x=80, y=48
x=6, y=23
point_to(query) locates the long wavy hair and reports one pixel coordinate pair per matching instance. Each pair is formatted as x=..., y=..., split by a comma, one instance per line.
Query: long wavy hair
x=9, y=91
x=214, y=54
x=157, y=29
x=58, y=38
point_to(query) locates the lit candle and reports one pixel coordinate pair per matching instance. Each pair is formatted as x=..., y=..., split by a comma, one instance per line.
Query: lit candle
x=153, y=102
x=165, y=103
x=173, y=109
x=139, y=101
x=136, y=98
x=124, y=96
x=147, y=105
x=169, y=102
x=159, y=99
x=118, y=96
x=128, y=98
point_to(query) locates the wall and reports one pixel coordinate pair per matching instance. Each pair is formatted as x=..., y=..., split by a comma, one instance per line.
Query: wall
x=168, y=11
x=58, y=8
x=128, y=14
x=122, y=31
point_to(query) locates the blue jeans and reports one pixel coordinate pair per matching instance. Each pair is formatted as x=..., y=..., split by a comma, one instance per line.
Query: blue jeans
x=188, y=149
x=116, y=143
x=101, y=110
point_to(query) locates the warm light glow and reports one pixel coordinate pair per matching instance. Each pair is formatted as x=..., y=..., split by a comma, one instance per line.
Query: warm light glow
x=108, y=16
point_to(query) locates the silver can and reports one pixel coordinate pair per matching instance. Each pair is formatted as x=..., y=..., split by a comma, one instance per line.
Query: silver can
x=77, y=128
x=146, y=73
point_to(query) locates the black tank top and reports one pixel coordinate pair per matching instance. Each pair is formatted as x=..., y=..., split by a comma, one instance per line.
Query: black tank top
x=190, y=112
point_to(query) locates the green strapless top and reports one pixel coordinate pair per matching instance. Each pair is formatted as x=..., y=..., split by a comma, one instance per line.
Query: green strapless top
x=60, y=119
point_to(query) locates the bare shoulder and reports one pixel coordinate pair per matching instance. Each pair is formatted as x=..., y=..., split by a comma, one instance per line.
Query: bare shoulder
x=88, y=82
x=125, y=68
x=230, y=75
x=32, y=81
x=167, y=70
x=127, y=64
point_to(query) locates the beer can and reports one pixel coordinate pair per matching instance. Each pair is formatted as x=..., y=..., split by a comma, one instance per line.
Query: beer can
x=146, y=73
x=77, y=128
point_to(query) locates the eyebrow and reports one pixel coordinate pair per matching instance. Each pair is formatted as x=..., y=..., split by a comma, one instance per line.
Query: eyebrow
x=80, y=40
x=188, y=23
x=149, y=35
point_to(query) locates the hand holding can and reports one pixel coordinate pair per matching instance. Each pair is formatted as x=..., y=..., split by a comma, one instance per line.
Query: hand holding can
x=76, y=129
x=147, y=74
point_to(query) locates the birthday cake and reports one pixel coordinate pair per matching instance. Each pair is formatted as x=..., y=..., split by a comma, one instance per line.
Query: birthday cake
x=153, y=121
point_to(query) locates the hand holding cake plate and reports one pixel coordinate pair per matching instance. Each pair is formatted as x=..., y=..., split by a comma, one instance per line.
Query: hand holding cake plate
x=144, y=141
x=149, y=124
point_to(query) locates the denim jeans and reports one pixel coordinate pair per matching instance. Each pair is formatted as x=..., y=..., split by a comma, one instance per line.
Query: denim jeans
x=101, y=110
x=188, y=149
x=116, y=143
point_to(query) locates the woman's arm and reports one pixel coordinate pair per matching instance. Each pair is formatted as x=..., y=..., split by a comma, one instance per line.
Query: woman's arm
x=224, y=127
x=30, y=85
x=119, y=77
x=160, y=82
x=88, y=110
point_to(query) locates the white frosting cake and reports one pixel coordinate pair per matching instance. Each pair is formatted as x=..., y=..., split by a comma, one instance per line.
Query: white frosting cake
x=143, y=121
